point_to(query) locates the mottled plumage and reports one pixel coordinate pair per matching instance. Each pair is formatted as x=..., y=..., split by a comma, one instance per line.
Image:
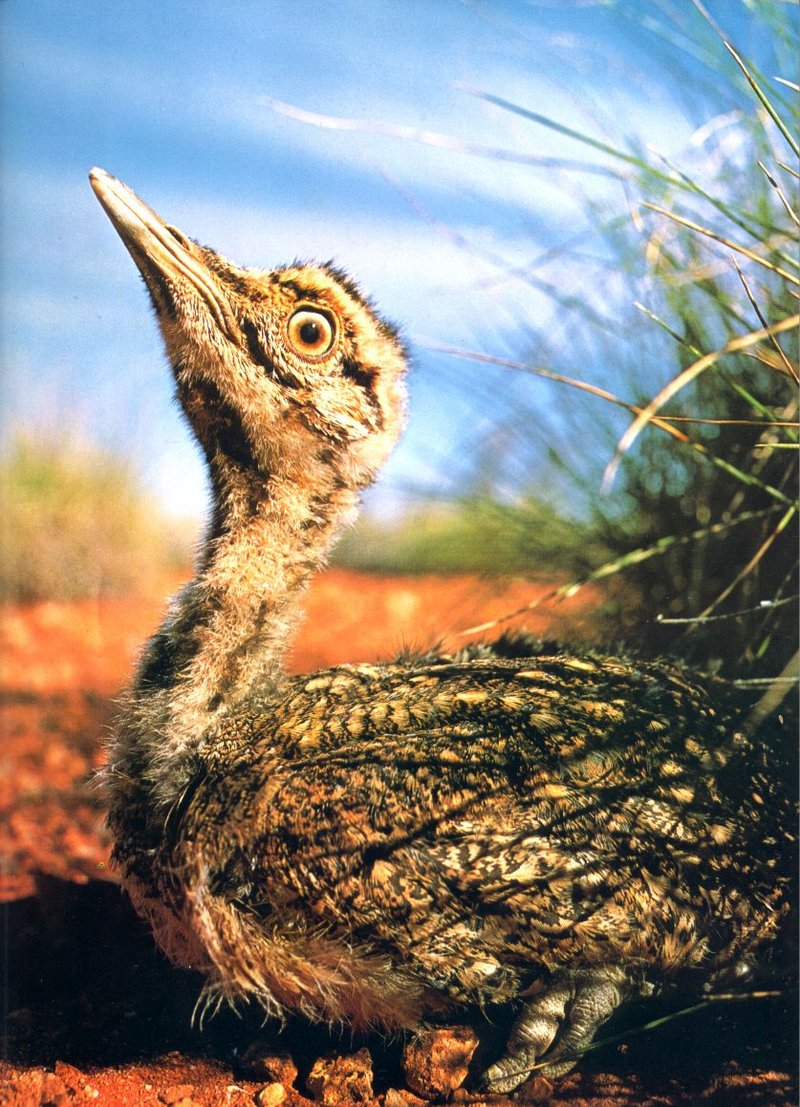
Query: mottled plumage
x=374, y=844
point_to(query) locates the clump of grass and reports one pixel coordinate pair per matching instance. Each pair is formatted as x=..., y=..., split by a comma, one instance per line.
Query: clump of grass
x=704, y=524
x=76, y=524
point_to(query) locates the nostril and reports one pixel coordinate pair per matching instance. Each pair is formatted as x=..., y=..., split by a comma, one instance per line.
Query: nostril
x=179, y=237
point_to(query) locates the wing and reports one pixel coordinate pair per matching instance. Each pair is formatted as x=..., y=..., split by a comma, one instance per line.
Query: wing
x=484, y=823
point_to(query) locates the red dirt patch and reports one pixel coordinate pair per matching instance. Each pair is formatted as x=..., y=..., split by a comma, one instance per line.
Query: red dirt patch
x=95, y=1015
x=91, y=645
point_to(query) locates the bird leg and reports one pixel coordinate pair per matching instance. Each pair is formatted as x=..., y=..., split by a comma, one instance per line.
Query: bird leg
x=557, y=1025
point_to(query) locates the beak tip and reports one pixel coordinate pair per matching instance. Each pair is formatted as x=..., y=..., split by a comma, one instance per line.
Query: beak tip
x=98, y=178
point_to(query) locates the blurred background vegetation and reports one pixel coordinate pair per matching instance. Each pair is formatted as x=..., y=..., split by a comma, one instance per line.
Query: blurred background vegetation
x=77, y=524
x=688, y=277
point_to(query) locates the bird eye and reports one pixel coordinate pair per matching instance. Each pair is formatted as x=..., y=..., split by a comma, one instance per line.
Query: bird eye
x=310, y=333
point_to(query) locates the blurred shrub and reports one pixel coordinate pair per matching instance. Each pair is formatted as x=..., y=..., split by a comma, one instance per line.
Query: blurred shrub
x=76, y=524
x=476, y=534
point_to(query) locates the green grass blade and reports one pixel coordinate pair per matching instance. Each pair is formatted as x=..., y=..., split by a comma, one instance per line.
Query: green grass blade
x=757, y=89
x=780, y=194
x=663, y=424
x=684, y=222
x=686, y=377
x=561, y=128
x=782, y=524
x=723, y=208
x=619, y=564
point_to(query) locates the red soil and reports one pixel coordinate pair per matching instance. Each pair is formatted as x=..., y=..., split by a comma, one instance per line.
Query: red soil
x=94, y=1014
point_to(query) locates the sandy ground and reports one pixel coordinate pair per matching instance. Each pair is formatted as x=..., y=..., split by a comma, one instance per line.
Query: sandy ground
x=94, y=1014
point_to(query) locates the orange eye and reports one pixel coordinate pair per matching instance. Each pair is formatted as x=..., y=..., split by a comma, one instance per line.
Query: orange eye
x=310, y=333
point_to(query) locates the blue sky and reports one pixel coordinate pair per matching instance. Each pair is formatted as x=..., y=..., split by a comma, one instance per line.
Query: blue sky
x=177, y=99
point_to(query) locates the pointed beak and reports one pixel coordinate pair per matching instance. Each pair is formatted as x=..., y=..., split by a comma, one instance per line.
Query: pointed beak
x=165, y=259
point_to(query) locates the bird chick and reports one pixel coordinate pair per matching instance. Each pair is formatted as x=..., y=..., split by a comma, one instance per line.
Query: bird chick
x=377, y=844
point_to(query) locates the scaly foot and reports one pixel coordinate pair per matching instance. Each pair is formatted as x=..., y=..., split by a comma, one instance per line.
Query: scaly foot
x=556, y=1025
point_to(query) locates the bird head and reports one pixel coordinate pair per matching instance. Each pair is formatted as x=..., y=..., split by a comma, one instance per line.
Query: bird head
x=273, y=369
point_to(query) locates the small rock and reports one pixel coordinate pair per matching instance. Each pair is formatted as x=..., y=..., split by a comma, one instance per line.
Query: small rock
x=270, y=1095
x=436, y=1062
x=261, y=1059
x=537, y=1089
x=339, y=1081
x=73, y=1078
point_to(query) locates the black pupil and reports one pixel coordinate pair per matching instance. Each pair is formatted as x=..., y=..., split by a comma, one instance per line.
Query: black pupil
x=310, y=333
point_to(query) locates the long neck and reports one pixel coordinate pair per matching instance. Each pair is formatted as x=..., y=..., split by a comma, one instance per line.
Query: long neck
x=221, y=645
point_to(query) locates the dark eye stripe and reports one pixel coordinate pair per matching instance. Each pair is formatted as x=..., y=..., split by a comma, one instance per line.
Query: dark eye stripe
x=366, y=380
x=354, y=372
x=254, y=344
x=260, y=356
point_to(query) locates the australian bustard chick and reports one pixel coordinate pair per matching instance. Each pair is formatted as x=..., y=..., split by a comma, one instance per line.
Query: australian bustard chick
x=376, y=844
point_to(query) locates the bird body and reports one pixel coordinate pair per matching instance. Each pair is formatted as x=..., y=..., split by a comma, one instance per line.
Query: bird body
x=375, y=844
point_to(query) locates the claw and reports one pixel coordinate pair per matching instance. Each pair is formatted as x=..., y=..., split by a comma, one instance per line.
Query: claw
x=554, y=1028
